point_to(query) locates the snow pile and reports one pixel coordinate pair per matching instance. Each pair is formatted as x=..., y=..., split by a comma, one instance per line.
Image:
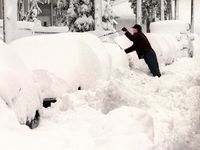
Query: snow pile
x=17, y=88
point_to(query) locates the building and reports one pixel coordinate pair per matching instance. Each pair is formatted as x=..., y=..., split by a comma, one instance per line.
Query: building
x=50, y=14
x=46, y=16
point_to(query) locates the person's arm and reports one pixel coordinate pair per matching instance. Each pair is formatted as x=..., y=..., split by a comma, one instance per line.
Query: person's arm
x=130, y=49
x=128, y=34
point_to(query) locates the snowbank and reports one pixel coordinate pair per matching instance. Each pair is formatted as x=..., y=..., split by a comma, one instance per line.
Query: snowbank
x=17, y=88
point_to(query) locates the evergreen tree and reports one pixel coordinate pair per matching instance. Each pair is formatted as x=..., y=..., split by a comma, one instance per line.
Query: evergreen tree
x=78, y=15
x=151, y=10
x=108, y=15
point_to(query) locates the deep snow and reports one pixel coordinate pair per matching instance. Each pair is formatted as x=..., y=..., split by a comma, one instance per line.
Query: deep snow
x=130, y=110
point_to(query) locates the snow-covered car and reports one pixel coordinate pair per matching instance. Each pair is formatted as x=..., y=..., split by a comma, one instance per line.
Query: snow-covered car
x=50, y=58
x=17, y=89
x=179, y=29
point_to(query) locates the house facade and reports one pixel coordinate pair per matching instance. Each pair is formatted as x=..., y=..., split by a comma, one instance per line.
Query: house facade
x=46, y=16
x=50, y=13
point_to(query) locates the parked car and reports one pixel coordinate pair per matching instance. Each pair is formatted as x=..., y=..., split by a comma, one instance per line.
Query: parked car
x=17, y=88
x=179, y=29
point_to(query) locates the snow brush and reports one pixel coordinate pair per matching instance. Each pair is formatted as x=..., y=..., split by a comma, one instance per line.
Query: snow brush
x=110, y=33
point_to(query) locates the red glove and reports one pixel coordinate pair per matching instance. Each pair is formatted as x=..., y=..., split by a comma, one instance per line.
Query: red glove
x=124, y=29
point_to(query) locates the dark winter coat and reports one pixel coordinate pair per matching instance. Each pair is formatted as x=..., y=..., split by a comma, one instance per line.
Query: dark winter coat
x=140, y=44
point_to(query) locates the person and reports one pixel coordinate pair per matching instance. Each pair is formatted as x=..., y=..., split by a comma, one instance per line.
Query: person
x=143, y=48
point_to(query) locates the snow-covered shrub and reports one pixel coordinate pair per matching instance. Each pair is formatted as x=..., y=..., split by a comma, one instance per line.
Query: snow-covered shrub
x=17, y=88
x=55, y=53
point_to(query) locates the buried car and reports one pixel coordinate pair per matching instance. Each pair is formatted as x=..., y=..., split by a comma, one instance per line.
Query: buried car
x=17, y=88
x=64, y=62
x=178, y=29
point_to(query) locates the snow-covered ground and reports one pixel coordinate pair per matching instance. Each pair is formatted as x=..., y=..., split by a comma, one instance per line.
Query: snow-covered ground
x=117, y=108
x=130, y=110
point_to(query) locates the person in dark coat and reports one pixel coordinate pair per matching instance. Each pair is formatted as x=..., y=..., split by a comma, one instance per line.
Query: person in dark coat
x=143, y=48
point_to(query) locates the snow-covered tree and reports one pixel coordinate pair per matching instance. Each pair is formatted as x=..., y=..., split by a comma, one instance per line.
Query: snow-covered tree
x=78, y=15
x=107, y=15
x=33, y=12
x=151, y=10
